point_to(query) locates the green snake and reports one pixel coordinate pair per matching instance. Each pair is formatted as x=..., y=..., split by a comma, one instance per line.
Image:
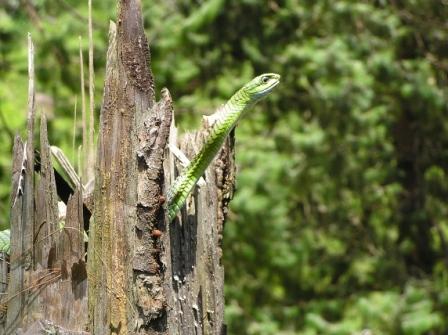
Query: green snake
x=224, y=120
x=5, y=243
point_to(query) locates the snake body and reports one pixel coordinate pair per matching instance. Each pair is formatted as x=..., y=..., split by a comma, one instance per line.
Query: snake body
x=223, y=121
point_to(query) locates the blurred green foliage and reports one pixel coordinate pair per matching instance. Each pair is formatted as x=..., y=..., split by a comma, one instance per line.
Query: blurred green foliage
x=339, y=224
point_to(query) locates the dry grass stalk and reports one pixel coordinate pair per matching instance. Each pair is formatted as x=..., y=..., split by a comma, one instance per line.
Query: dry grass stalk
x=91, y=156
x=83, y=111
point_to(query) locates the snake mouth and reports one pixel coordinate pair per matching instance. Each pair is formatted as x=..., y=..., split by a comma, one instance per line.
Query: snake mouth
x=274, y=80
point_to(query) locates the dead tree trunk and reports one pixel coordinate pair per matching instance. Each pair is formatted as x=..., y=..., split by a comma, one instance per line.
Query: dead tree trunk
x=144, y=275
x=147, y=276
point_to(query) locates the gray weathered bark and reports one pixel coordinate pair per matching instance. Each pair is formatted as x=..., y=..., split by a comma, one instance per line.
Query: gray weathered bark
x=49, y=287
x=47, y=272
x=197, y=286
x=4, y=261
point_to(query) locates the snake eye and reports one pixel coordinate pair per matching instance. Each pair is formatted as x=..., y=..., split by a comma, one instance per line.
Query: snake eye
x=265, y=80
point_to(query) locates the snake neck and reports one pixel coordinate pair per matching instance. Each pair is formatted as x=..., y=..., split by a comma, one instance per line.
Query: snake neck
x=230, y=113
x=226, y=120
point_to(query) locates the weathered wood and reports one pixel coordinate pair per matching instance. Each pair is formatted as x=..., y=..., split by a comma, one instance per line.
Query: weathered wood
x=150, y=256
x=64, y=297
x=116, y=305
x=197, y=273
x=22, y=212
x=146, y=277
x=52, y=286
x=48, y=327
x=46, y=215
x=48, y=277
x=15, y=287
x=4, y=262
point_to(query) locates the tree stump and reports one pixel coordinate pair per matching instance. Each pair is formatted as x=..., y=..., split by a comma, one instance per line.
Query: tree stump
x=144, y=275
x=148, y=276
x=48, y=282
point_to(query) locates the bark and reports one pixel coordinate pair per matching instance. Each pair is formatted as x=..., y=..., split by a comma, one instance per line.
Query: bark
x=47, y=273
x=4, y=261
x=197, y=286
x=22, y=211
x=114, y=297
x=143, y=274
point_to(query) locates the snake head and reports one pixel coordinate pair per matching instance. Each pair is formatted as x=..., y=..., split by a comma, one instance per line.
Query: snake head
x=261, y=86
